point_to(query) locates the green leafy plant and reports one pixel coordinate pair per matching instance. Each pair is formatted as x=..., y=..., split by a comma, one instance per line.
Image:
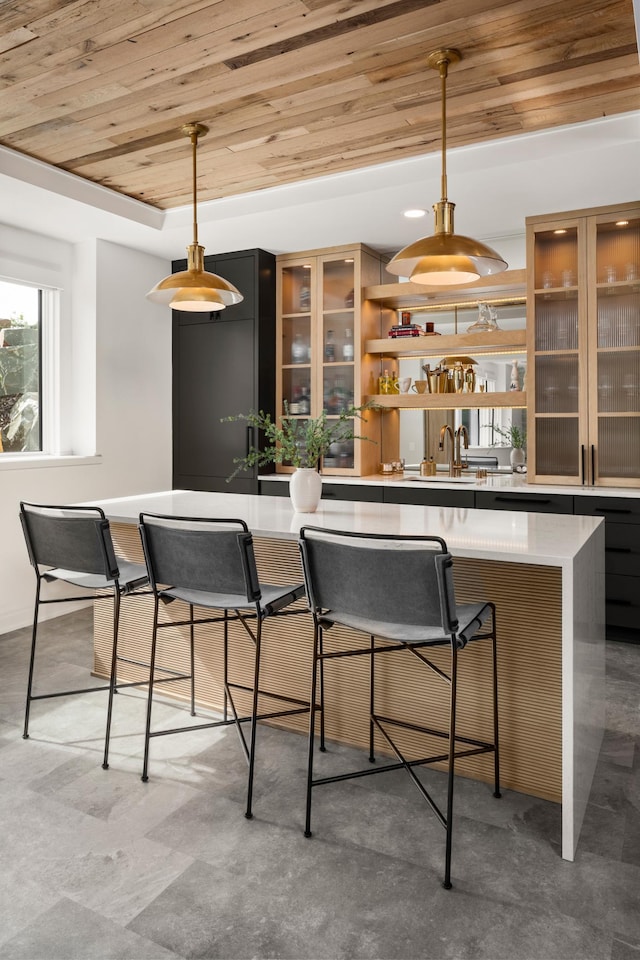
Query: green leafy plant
x=298, y=441
x=517, y=438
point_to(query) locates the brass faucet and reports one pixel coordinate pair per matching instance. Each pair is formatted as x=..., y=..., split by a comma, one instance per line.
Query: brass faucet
x=444, y=432
x=460, y=434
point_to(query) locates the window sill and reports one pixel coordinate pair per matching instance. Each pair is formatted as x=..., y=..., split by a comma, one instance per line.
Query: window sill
x=39, y=461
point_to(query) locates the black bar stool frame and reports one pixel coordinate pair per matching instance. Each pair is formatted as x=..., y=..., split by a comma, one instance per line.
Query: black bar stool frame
x=210, y=563
x=346, y=590
x=73, y=544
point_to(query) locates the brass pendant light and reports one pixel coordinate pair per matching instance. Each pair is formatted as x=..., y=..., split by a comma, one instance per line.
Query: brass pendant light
x=194, y=289
x=446, y=258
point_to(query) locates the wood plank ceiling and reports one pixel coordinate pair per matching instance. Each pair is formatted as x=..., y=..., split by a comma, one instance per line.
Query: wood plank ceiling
x=293, y=89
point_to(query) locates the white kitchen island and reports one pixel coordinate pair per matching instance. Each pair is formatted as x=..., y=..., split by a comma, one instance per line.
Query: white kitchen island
x=545, y=573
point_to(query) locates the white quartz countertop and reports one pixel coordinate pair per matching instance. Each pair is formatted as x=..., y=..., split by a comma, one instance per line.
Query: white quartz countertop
x=516, y=537
x=508, y=482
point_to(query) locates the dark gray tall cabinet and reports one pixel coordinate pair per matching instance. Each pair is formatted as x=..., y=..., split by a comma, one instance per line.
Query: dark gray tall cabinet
x=223, y=364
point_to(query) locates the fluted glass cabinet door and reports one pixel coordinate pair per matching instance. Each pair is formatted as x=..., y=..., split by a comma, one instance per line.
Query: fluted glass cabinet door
x=337, y=283
x=614, y=349
x=296, y=391
x=557, y=348
x=584, y=341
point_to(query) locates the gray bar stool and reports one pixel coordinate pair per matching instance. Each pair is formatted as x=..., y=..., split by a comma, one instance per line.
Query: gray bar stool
x=74, y=545
x=209, y=563
x=398, y=590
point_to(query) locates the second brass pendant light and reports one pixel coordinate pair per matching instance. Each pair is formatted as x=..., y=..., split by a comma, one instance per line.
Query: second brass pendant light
x=446, y=258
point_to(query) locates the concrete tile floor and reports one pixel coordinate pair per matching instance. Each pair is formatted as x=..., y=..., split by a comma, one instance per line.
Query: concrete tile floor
x=96, y=864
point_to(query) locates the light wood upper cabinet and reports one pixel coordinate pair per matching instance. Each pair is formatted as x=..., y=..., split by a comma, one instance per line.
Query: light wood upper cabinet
x=322, y=322
x=583, y=347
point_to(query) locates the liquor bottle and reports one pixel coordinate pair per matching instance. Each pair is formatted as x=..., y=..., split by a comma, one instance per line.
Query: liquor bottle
x=329, y=348
x=347, y=346
x=304, y=405
x=299, y=351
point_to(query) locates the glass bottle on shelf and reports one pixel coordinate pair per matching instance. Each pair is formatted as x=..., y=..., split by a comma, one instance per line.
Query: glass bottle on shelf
x=305, y=296
x=329, y=348
x=347, y=346
x=299, y=352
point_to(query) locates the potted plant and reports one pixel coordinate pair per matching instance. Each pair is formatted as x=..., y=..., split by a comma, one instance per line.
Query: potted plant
x=517, y=438
x=301, y=443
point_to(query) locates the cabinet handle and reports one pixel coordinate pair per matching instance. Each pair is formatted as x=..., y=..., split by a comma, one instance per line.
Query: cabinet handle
x=593, y=464
x=582, y=463
x=519, y=500
x=611, y=510
x=250, y=439
x=618, y=550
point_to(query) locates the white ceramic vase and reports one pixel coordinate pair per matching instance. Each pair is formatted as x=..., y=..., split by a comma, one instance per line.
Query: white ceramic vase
x=305, y=488
x=517, y=458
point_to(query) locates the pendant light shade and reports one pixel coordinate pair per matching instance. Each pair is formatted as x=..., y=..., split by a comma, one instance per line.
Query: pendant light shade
x=194, y=289
x=446, y=258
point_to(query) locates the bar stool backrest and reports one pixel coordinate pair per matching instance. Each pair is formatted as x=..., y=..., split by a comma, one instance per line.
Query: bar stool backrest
x=210, y=555
x=71, y=538
x=404, y=580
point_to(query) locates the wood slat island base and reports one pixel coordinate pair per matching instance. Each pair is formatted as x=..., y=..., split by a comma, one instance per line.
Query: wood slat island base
x=534, y=602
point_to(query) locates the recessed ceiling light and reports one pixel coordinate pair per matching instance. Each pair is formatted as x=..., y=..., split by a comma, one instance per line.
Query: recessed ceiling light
x=414, y=214
x=306, y=266
x=559, y=231
x=622, y=223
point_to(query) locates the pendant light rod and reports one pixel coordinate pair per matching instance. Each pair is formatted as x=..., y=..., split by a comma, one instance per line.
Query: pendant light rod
x=446, y=258
x=194, y=131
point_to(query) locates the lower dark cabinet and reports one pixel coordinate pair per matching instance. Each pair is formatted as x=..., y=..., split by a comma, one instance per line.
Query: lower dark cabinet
x=531, y=502
x=351, y=491
x=330, y=491
x=430, y=497
x=622, y=561
x=274, y=488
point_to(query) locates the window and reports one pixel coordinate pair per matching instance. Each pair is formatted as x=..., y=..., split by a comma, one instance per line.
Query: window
x=21, y=351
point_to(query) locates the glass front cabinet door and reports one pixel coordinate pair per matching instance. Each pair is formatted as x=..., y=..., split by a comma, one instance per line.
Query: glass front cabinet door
x=321, y=325
x=583, y=346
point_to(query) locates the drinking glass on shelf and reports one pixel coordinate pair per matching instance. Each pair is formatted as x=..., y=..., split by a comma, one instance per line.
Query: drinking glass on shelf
x=610, y=274
x=631, y=271
x=547, y=279
x=567, y=278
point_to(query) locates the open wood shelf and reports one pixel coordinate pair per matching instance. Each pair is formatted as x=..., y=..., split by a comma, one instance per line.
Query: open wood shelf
x=507, y=285
x=448, y=401
x=498, y=341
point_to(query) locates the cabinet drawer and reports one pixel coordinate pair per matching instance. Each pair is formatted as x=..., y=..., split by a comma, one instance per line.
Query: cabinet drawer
x=274, y=488
x=614, y=509
x=623, y=601
x=349, y=491
x=530, y=502
x=430, y=498
x=622, y=546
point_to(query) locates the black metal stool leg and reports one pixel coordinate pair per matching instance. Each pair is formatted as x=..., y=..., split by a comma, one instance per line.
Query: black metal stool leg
x=193, y=672
x=113, y=674
x=317, y=641
x=452, y=751
x=32, y=660
x=152, y=667
x=322, y=744
x=225, y=663
x=372, y=758
x=496, y=753
x=254, y=720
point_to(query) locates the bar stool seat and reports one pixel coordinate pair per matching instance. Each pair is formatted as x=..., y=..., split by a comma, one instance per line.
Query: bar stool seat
x=209, y=564
x=73, y=544
x=399, y=591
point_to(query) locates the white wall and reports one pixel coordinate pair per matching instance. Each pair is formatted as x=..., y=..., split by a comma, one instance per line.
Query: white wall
x=118, y=374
